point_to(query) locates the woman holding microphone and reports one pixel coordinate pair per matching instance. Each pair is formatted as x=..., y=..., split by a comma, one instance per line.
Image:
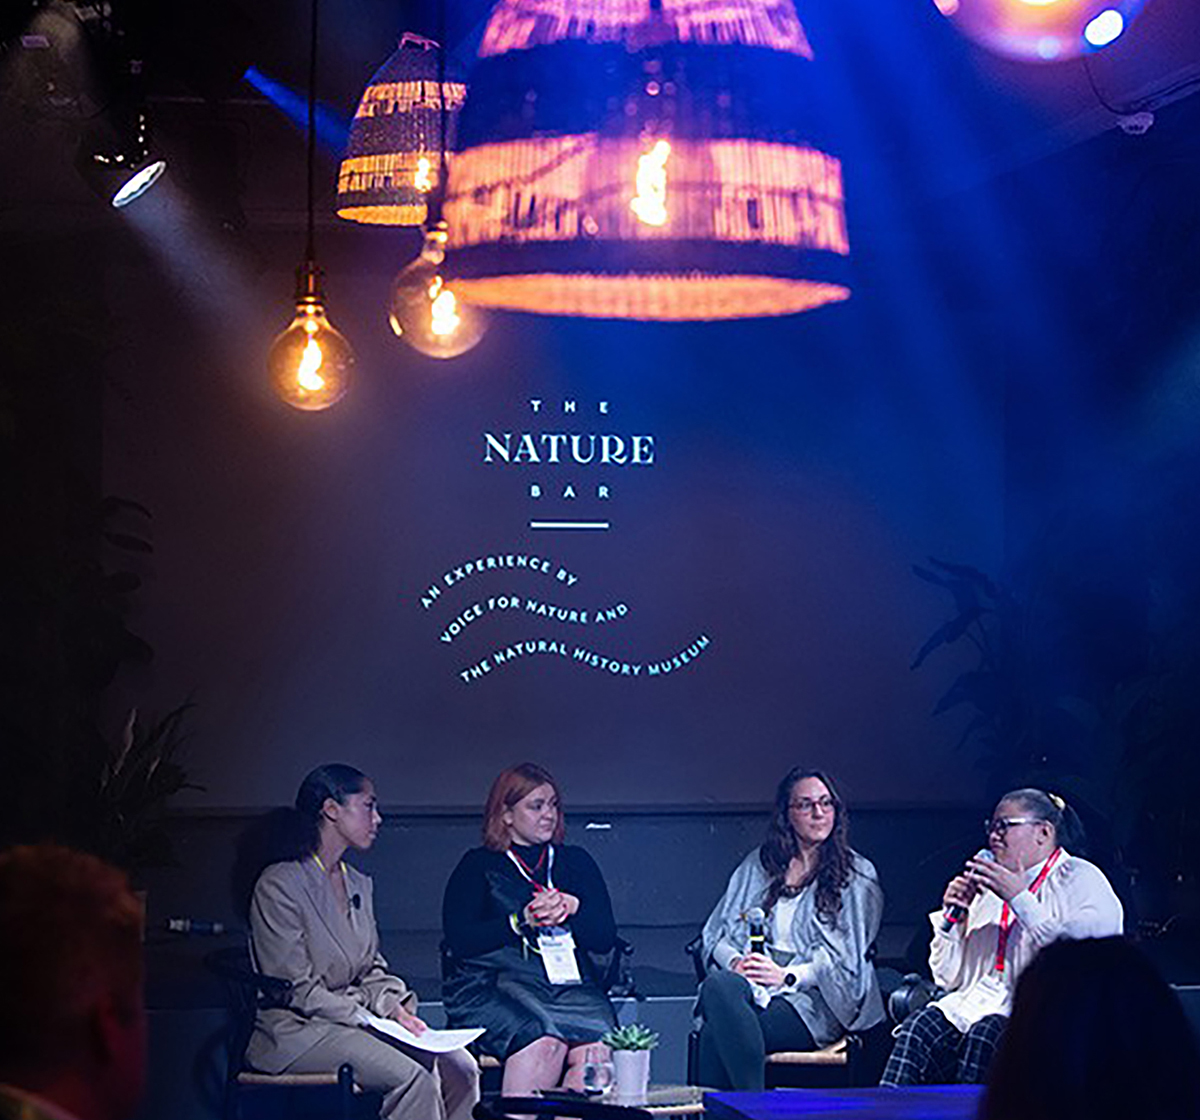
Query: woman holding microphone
x=1025, y=890
x=787, y=945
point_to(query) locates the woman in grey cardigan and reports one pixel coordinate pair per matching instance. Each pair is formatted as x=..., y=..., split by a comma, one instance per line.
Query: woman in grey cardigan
x=312, y=921
x=817, y=906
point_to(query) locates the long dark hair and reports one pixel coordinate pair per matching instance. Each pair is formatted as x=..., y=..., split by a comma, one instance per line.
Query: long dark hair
x=334, y=779
x=287, y=834
x=834, y=858
x=1049, y=807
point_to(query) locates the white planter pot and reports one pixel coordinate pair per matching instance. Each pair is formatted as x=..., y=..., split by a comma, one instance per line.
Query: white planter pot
x=632, y=1069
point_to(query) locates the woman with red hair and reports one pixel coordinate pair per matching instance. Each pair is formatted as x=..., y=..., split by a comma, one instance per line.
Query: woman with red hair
x=520, y=916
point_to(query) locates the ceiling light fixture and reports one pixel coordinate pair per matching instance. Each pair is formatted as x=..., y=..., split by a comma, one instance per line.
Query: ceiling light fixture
x=393, y=152
x=424, y=310
x=646, y=159
x=115, y=157
x=310, y=362
x=1044, y=30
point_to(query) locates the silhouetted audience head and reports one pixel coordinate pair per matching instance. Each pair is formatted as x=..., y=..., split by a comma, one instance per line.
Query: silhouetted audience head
x=72, y=1020
x=1095, y=1032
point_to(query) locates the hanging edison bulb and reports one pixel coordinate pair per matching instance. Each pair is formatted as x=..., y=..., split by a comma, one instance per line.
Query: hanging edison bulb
x=310, y=363
x=424, y=310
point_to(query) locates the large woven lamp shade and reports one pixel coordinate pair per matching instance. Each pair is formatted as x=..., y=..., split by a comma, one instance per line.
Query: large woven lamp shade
x=645, y=159
x=394, y=149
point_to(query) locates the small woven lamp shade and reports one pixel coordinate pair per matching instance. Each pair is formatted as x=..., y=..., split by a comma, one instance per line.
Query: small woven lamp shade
x=645, y=159
x=393, y=153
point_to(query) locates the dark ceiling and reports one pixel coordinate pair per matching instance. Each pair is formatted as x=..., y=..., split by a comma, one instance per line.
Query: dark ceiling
x=906, y=83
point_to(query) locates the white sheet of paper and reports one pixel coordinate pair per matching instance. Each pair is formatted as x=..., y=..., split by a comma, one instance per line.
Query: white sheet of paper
x=432, y=1041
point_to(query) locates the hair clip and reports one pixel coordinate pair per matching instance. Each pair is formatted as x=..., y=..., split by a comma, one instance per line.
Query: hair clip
x=1059, y=803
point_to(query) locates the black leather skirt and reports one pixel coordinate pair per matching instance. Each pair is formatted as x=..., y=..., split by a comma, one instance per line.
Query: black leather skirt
x=507, y=992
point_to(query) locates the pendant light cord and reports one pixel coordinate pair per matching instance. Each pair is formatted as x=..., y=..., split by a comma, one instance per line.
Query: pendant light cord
x=437, y=201
x=311, y=252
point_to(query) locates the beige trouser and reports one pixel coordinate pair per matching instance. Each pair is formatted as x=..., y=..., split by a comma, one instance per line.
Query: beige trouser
x=416, y=1085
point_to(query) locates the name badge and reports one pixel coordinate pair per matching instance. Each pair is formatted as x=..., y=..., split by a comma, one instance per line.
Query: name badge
x=557, y=949
x=988, y=996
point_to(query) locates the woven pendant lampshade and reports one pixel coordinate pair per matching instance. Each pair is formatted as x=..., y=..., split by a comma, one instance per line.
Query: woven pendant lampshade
x=645, y=159
x=394, y=150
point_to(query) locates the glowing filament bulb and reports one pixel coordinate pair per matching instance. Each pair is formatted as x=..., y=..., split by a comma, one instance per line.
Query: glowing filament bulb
x=444, y=318
x=650, y=202
x=307, y=376
x=423, y=179
x=311, y=362
x=424, y=312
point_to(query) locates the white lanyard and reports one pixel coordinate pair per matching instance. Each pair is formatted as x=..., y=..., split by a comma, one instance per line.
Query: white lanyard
x=524, y=871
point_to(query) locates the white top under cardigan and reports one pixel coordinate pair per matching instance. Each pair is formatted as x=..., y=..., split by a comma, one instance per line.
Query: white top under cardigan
x=837, y=990
x=1074, y=901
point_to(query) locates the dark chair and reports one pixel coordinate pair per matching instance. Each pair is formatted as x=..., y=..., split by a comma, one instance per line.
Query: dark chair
x=246, y=991
x=508, y=1108
x=911, y=994
x=833, y=1066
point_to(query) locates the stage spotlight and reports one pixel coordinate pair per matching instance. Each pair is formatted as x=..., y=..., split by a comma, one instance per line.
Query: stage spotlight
x=115, y=157
x=1042, y=30
x=1105, y=28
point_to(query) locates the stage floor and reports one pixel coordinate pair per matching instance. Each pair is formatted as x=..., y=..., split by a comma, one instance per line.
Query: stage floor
x=926, y=1102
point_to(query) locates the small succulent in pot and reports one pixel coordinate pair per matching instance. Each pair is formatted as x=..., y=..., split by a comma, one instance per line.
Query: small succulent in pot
x=632, y=1036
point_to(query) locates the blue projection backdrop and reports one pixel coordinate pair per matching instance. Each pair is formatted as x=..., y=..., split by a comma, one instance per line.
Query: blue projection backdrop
x=391, y=582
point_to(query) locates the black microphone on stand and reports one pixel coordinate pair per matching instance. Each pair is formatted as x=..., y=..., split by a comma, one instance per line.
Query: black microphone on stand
x=953, y=914
x=757, y=920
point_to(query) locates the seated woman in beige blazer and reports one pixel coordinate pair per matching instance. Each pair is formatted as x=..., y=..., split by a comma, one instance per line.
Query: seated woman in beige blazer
x=312, y=922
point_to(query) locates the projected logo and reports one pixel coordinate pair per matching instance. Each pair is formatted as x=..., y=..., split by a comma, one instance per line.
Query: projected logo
x=570, y=476
x=569, y=462
x=578, y=631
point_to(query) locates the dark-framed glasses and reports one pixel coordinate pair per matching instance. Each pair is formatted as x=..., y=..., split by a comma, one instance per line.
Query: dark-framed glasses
x=1000, y=825
x=808, y=804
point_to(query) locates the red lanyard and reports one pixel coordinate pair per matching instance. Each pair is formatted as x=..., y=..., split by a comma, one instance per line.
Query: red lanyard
x=529, y=873
x=1006, y=913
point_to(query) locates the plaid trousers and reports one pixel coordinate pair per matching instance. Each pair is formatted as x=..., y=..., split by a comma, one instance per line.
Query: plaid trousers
x=930, y=1050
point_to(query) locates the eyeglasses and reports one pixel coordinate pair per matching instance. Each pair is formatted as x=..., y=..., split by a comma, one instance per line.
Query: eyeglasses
x=1001, y=825
x=807, y=804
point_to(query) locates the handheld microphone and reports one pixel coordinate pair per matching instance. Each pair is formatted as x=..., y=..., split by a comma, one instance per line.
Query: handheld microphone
x=757, y=920
x=953, y=914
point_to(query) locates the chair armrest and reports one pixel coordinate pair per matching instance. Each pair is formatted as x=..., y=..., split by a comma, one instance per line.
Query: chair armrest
x=618, y=977
x=695, y=950
x=913, y=993
x=233, y=966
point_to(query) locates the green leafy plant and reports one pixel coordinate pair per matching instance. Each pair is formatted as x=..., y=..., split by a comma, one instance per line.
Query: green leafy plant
x=632, y=1036
x=137, y=777
x=1003, y=686
x=1115, y=735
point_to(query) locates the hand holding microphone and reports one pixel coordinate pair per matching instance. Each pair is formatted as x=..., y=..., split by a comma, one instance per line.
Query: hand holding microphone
x=960, y=892
x=756, y=919
x=756, y=966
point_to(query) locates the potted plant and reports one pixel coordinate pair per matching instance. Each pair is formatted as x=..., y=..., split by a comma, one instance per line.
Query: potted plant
x=631, y=1046
x=139, y=775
